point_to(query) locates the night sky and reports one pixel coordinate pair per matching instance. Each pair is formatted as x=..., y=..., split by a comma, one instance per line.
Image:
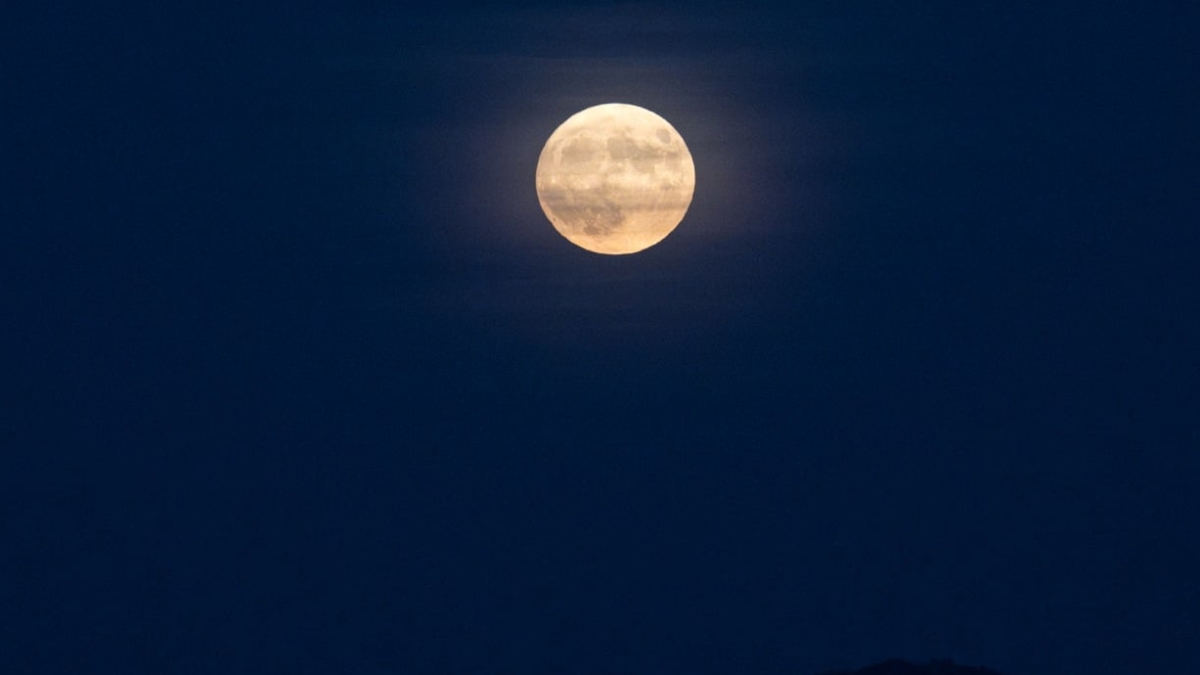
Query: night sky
x=298, y=378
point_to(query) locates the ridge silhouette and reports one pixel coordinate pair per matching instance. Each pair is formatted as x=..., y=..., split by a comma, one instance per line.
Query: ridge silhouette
x=901, y=667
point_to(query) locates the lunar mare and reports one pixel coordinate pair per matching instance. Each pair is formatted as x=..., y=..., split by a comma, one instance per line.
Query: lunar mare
x=615, y=179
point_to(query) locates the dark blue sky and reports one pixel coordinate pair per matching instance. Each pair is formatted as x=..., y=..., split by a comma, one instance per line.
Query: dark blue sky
x=298, y=377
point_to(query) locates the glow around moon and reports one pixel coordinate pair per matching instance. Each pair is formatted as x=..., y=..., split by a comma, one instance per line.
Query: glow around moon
x=615, y=178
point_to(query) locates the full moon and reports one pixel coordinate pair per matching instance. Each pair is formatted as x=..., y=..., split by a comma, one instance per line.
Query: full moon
x=615, y=179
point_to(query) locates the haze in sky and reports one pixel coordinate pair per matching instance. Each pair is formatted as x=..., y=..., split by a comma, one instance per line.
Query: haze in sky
x=300, y=378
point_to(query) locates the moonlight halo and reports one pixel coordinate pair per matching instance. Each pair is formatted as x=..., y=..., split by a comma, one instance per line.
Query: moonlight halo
x=615, y=179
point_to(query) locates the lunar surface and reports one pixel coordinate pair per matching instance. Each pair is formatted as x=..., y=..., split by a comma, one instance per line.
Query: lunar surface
x=615, y=179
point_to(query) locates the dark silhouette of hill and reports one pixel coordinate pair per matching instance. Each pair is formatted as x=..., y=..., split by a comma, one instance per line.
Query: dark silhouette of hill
x=898, y=667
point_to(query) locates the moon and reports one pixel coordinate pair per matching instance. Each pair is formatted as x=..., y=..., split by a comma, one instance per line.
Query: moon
x=615, y=179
